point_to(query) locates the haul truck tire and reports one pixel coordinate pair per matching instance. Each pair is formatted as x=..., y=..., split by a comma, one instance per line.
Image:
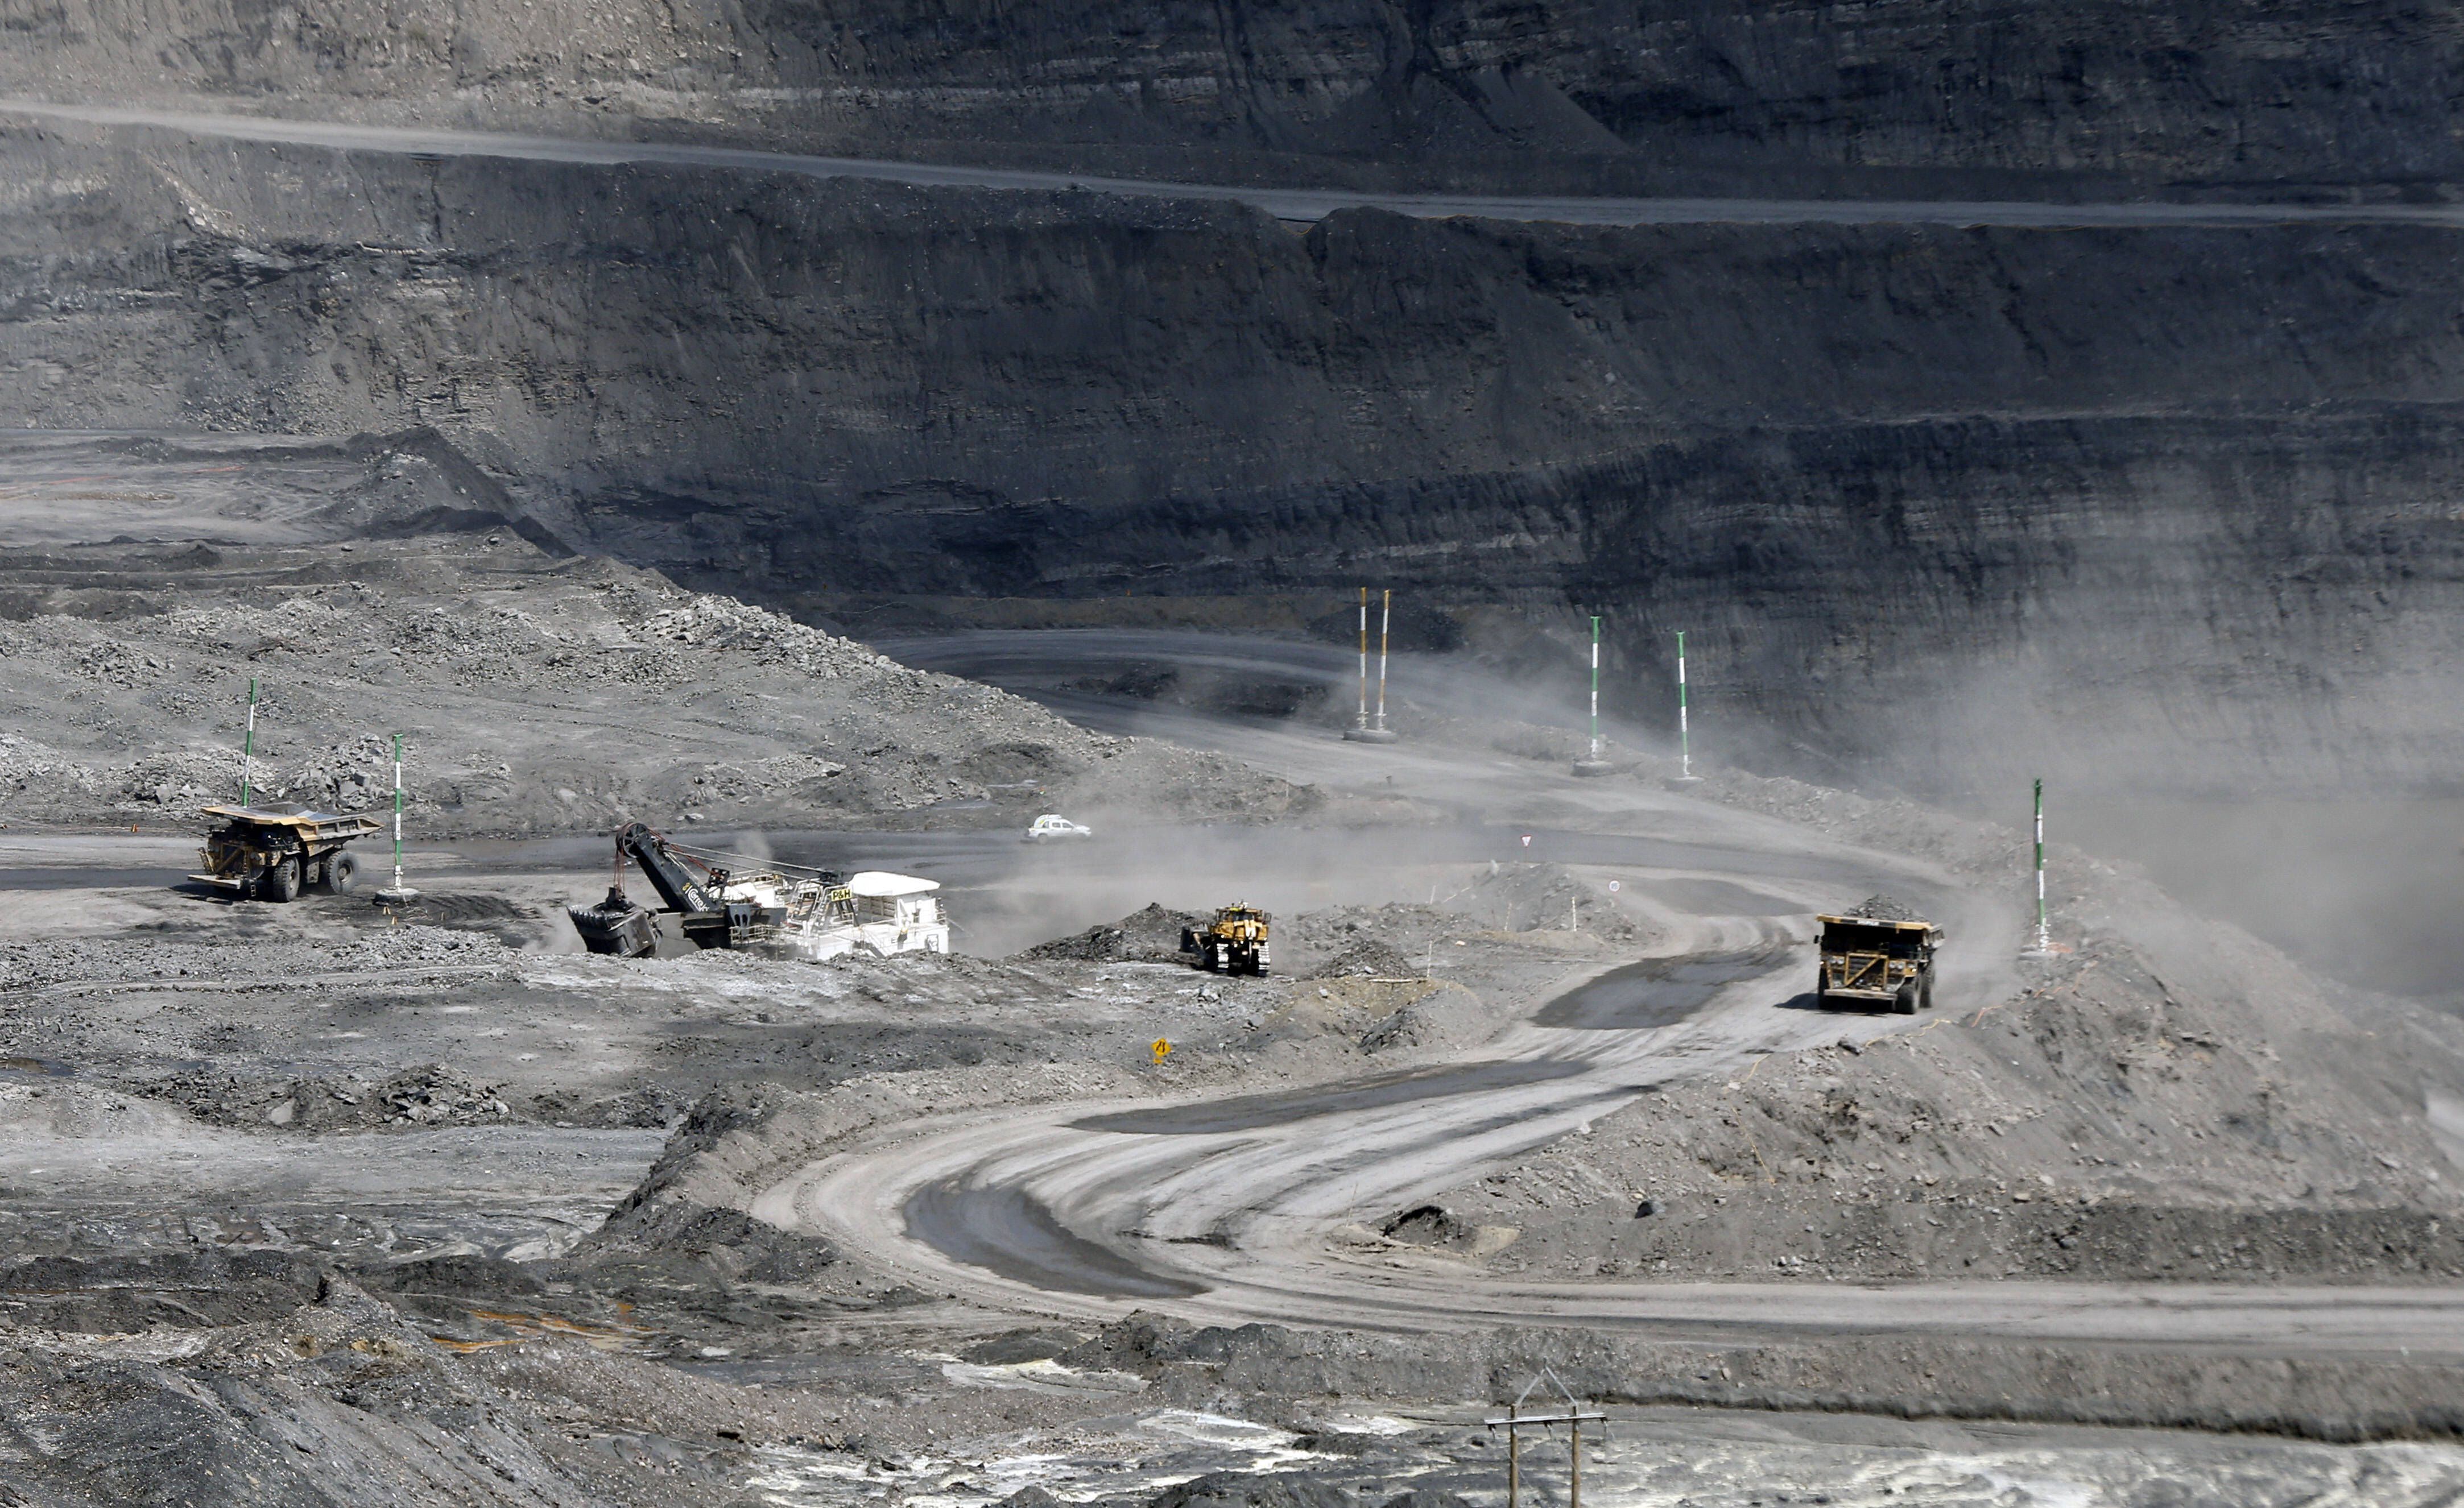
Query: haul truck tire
x=281, y=882
x=342, y=874
x=1905, y=1004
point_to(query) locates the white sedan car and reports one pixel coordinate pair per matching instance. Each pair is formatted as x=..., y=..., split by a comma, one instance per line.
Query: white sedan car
x=1049, y=826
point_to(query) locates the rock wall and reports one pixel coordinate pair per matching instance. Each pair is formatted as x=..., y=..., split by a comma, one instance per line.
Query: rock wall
x=1911, y=487
x=2259, y=92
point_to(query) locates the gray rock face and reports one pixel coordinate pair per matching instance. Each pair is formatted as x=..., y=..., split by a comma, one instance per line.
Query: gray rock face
x=1468, y=89
x=1929, y=494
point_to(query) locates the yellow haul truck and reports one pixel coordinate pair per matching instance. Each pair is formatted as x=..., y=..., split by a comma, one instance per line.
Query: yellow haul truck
x=1877, y=960
x=1234, y=942
x=272, y=853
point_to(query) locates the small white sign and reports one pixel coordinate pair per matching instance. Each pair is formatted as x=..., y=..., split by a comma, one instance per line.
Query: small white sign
x=1613, y=888
x=1527, y=840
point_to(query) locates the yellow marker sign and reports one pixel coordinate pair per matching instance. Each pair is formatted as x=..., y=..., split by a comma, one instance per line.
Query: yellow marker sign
x=1162, y=1050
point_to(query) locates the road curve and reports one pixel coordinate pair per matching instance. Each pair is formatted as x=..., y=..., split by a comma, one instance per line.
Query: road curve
x=1299, y=205
x=1232, y=1211
x=1251, y=1206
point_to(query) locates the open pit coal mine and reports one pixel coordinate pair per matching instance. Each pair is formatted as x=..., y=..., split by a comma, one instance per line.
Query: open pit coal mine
x=839, y=437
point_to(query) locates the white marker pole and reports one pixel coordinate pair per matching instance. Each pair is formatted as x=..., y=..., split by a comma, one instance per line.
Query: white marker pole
x=1385, y=627
x=2044, y=936
x=397, y=812
x=1596, y=688
x=1684, y=734
x=1362, y=721
x=397, y=894
x=248, y=745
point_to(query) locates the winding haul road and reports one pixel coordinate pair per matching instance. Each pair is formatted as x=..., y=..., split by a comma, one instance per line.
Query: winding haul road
x=1231, y=1209
x=1299, y=205
x=1227, y=1211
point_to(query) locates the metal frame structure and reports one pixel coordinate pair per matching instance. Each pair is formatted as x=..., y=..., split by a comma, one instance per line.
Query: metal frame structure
x=1572, y=1416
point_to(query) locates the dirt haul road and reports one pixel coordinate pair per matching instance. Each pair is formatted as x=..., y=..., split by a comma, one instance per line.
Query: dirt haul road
x=1258, y=1207
x=1298, y=204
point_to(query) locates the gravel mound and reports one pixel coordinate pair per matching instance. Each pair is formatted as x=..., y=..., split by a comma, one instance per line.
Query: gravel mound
x=1367, y=958
x=1152, y=935
x=1536, y=896
x=1426, y=1225
x=65, y=960
x=430, y=1095
x=1241, y=1490
x=550, y=695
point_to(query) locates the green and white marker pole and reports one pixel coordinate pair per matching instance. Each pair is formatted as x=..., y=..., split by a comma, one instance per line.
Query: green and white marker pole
x=248, y=747
x=1684, y=733
x=1685, y=774
x=1594, y=764
x=2044, y=945
x=1595, y=686
x=398, y=892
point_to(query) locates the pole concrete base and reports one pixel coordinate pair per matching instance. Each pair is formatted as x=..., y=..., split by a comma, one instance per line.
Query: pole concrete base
x=1683, y=783
x=1593, y=767
x=391, y=896
x=1369, y=736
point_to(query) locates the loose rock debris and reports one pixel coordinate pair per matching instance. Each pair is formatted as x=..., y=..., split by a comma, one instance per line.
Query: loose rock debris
x=355, y=1176
x=551, y=694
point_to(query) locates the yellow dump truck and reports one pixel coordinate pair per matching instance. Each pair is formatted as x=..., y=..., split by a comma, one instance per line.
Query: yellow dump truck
x=1235, y=942
x=272, y=853
x=1876, y=961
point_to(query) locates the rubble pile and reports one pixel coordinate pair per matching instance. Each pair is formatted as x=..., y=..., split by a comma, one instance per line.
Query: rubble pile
x=722, y=623
x=1150, y=934
x=37, y=773
x=34, y=963
x=538, y=694
x=1367, y=958
x=1537, y=897
x=436, y=1095
x=432, y=1095
x=181, y=780
x=348, y=775
x=762, y=777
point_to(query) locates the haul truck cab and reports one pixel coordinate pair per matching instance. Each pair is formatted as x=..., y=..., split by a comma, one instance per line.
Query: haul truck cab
x=1871, y=961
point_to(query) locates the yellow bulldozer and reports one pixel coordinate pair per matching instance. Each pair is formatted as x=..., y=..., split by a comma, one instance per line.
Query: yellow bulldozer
x=1235, y=942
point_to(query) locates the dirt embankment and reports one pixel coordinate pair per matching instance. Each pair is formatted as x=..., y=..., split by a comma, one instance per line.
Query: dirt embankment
x=269, y=1378
x=2322, y=1398
x=322, y=1019
x=538, y=694
x=2167, y=1098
